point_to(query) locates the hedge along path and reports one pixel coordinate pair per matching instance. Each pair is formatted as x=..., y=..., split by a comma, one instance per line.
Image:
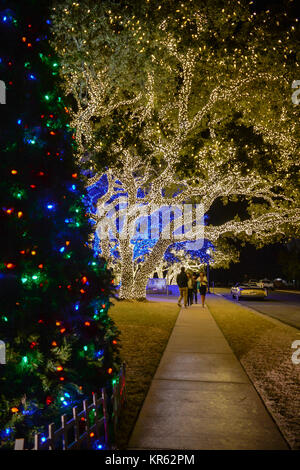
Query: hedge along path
x=264, y=348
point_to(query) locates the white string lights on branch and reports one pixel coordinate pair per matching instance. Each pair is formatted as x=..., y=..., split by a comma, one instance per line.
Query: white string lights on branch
x=182, y=92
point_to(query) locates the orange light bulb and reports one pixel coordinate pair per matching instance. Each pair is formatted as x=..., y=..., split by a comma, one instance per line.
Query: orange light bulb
x=10, y=265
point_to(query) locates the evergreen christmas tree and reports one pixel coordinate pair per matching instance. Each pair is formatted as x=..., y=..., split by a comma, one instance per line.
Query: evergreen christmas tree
x=61, y=345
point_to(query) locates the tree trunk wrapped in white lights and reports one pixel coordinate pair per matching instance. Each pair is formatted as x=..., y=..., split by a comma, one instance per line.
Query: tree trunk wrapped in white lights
x=183, y=107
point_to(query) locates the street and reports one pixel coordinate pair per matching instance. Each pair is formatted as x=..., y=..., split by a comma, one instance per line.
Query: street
x=283, y=306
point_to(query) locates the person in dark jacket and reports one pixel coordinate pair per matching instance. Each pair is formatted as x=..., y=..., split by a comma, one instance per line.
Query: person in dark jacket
x=182, y=282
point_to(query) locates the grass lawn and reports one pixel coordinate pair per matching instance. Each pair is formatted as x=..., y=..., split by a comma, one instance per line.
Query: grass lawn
x=145, y=329
x=263, y=347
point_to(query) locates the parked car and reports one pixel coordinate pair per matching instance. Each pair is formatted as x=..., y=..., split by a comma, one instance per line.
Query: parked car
x=266, y=283
x=280, y=283
x=247, y=290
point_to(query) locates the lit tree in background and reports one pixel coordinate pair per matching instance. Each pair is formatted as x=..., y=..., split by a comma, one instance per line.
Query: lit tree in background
x=186, y=104
x=195, y=260
x=61, y=344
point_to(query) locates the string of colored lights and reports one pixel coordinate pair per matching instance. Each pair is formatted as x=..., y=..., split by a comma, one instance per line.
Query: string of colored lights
x=60, y=342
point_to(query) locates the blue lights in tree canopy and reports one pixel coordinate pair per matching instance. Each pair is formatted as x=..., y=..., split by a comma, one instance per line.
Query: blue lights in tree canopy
x=141, y=240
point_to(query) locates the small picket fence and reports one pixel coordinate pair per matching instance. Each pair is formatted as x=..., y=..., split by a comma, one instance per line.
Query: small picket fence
x=97, y=429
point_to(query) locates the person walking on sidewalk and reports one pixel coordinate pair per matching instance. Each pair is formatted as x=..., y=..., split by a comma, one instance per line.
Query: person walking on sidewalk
x=202, y=280
x=190, y=288
x=182, y=282
x=195, y=288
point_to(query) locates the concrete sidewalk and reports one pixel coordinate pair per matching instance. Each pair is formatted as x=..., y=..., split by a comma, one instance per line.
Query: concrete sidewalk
x=200, y=397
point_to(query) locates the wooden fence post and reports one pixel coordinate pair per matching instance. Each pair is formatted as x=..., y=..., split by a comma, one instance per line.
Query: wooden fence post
x=104, y=407
x=76, y=425
x=19, y=444
x=87, y=420
x=51, y=436
x=65, y=431
x=37, y=441
x=96, y=413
